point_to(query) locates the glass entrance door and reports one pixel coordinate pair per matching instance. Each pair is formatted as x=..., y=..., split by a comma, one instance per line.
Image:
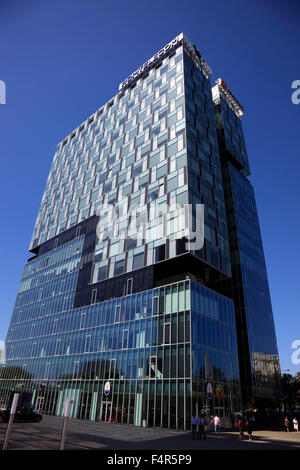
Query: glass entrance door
x=105, y=414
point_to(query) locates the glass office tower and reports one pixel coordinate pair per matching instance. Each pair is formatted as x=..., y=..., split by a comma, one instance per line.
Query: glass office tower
x=118, y=308
x=258, y=353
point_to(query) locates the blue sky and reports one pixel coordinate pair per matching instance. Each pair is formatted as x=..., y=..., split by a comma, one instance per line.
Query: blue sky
x=62, y=59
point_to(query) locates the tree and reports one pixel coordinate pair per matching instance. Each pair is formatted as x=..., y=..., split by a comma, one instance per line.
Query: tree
x=290, y=390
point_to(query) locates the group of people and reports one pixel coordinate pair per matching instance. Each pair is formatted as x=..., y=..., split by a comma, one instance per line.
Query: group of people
x=198, y=427
x=287, y=424
x=246, y=424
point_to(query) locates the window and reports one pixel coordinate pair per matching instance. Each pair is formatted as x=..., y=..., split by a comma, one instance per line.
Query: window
x=32, y=330
x=153, y=367
x=94, y=296
x=55, y=322
x=112, y=368
x=167, y=333
x=87, y=346
x=57, y=348
x=82, y=321
x=47, y=370
x=130, y=243
x=102, y=273
x=117, y=313
x=66, y=303
x=119, y=267
x=159, y=253
x=155, y=305
x=125, y=339
x=138, y=261
x=114, y=249
x=129, y=286
x=76, y=369
x=62, y=286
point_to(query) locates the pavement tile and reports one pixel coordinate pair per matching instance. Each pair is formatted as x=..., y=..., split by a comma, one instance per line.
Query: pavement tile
x=103, y=436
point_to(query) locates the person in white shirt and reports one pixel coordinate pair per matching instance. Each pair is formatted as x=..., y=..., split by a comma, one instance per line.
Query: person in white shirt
x=217, y=423
x=296, y=426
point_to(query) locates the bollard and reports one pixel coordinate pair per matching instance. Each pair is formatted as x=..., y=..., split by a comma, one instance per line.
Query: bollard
x=11, y=420
x=66, y=418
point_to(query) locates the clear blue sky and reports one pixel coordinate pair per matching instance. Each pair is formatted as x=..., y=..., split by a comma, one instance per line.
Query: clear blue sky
x=62, y=59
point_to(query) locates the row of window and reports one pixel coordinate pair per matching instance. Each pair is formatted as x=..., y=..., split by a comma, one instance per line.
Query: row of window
x=163, y=362
x=109, y=132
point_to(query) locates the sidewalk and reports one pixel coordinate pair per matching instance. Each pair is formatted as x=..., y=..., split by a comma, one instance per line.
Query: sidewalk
x=86, y=435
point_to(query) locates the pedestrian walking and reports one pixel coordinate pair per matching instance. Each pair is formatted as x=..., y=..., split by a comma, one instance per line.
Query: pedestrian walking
x=296, y=425
x=198, y=427
x=241, y=427
x=202, y=428
x=249, y=427
x=217, y=423
x=232, y=420
x=287, y=424
x=194, y=427
x=211, y=423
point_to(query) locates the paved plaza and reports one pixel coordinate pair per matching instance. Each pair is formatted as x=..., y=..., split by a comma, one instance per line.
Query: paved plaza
x=86, y=435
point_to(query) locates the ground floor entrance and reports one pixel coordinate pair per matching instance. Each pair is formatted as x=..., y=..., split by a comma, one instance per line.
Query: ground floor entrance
x=106, y=412
x=153, y=402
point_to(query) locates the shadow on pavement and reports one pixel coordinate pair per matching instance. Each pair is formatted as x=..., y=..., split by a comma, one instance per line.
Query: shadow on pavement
x=83, y=435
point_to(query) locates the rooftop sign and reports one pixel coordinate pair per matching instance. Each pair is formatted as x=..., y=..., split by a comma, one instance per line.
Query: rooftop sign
x=220, y=89
x=181, y=39
x=170, y=46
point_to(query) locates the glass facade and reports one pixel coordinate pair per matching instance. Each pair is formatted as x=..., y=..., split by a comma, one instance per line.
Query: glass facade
x=132, y=154
x=204, y=167
x=258, y=347
x=229, y=127
x=258, y=352
x=141, y=344
x=126, y=319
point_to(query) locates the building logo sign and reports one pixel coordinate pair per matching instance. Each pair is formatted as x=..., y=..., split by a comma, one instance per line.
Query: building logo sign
x=107, y=389
x=209, y=390
x=170, y=46
x=181, y=39
x=219, y=392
